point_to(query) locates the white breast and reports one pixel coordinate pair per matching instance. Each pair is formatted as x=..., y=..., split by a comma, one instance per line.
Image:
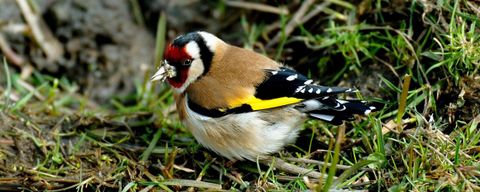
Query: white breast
x=246, y=135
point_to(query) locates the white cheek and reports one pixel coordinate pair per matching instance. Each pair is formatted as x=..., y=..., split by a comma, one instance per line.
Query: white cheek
x=195, y=71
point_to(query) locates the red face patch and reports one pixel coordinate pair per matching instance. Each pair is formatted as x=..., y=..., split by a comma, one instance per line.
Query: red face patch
x=180, y=79
x=176, y=56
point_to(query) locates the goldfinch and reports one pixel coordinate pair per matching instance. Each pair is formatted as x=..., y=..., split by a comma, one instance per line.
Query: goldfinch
x=241, y=104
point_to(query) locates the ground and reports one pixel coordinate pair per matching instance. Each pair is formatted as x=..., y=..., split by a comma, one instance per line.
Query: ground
x=77, y=110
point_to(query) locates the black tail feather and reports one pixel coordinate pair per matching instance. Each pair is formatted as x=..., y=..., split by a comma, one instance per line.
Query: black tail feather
x=335, y=111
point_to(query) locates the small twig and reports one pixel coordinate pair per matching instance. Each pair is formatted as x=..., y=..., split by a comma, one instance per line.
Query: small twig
x=321, y=163
x=361, y=184
x=295, y=21
x=42, y=35
x=191, y=183
x=388, y=65
x=5, y=142
x=318, y=9
x=201, y=174
x=15, y=59
x=10, y=180
x=184, y=169
x=148, y=188
x=14, y=28
x=258, y=7
x=77, y=185
x=8, y=93
x=290, y=168
x=230, y=176
x=27, y=71
x=30, y=88
x=269, y=28
x=149, y=175
x=474, y=8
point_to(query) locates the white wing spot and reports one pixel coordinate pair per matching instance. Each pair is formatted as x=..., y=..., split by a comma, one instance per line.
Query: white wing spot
x=372, y=108
x=292, y=77
x=348, y=90
x=325, y=98
x=318, y=91
x=274, y=72
x=299, y=88
x=323, y=116
x=329, y=90
x=303, y=90
x=308, y=82
x=310, y=90
x=367, y=112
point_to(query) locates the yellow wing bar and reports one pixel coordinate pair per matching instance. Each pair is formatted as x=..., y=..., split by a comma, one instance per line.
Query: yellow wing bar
x=259, y=104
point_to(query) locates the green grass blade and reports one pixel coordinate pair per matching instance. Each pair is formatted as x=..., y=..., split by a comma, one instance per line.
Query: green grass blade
x=160, y=39
x=146, y=154
x=403, y=101
x=333, y=167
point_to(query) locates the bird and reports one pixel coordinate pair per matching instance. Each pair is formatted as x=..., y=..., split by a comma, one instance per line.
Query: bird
x=242, y=104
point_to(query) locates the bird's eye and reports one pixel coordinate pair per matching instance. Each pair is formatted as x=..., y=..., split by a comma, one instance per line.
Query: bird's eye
x=187, y=62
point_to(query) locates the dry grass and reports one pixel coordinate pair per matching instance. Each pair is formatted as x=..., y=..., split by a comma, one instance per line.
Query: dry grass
x=54, y=137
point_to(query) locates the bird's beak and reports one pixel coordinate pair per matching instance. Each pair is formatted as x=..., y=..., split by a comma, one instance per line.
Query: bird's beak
x=165, y=71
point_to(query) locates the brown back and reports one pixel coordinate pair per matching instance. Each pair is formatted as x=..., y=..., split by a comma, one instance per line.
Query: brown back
x=232, y=78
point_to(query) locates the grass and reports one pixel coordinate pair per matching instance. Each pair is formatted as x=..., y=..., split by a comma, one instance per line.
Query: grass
x=424, y=137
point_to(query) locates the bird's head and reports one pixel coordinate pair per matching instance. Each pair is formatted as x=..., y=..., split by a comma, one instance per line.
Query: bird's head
x=187, y=59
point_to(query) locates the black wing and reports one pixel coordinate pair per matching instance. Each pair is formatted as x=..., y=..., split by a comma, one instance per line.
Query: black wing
x=317, y=101
x=287, y=82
